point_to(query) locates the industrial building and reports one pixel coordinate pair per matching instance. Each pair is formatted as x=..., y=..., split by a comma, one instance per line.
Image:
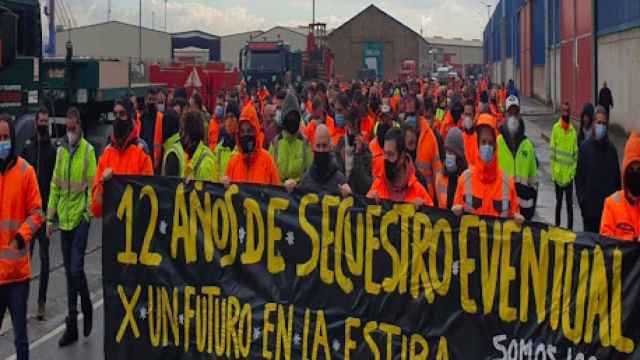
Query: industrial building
x=115, y=39
x=563, y=50
x=296, y=37
x=196, y=39
x=375, y=40
x=463, y=55
x=230, y=46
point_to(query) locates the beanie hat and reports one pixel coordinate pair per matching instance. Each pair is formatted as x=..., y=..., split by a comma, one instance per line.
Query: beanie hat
x=454, y=142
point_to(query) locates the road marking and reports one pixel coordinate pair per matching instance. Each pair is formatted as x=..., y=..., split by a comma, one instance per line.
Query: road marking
x=55, y=332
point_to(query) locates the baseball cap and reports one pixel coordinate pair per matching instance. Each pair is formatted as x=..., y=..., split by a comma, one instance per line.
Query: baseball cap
x=512, y=101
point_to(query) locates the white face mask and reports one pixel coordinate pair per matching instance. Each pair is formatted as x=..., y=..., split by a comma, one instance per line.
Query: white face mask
x=450, y=162
x=161, y=107
x=513, y=124
x=72, y=137
x=467, y=122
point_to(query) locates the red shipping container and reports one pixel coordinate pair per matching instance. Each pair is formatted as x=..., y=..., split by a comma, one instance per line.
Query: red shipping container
x=526, y=65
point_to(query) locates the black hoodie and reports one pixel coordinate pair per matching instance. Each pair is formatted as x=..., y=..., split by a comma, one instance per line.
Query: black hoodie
x=323, y=181
x=41, y=154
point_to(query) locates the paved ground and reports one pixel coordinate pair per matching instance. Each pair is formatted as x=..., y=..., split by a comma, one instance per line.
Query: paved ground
x=44, y=335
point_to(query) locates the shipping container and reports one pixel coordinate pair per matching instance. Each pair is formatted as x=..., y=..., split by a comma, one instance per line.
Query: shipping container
x=624, y=15
x=526, y=70
x=538, y=32
x=553, y=20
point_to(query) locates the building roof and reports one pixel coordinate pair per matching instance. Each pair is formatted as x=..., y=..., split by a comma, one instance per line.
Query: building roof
x=109, y=23
x=193, y=33
x=252, y=32
x=192, y=49
x=375, y=8
x=439, y=40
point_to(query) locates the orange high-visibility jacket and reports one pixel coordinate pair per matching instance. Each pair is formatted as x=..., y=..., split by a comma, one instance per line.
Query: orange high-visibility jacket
x=131, y=160
x=428, y=156
x=442, y=186
x=470, y=147
x=214, y=133
x=157, y=142
x=621, y=217
x=412, y=191
x=377, y=158
x=20, y=213
x=257, y=168
x=310, y=129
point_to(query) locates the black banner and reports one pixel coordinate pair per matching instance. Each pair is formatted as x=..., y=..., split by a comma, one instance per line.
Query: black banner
x=192, y=271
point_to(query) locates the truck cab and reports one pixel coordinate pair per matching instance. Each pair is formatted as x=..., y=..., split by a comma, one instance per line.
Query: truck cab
x=266, y=62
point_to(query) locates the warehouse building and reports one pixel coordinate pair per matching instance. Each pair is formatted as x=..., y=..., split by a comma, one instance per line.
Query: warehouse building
x=115, y=39
x=230, y=46
x=376, y=41
x=296, y=37
x=563, y=50
x=462, y=55
x=192, y=40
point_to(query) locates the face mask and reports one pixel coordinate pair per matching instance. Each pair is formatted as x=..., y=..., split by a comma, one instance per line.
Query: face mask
x=486, y=153
x=632, y=182
x=382, y=131
x=219, y=112
x=468, y=122
x=450, y=163
x=565, y=118
x=321, y=160
x=600, y=131
x=151, y=108
x=390, y=170
x=513, y=125
x=247, y=143
x=161, y=107
x=43, y=130
x=307, y=118
x=292, y=124
x=340, y=120
x=121, y=129
x=72, y=137
x=351, y=139
x=5, y=149
x=278, y=117
x=456, y=114
x=411, y=121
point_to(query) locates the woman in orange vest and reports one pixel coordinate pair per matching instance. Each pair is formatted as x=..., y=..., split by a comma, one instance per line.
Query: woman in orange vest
x=20, y=218
x=484, y=189
x=123, y=156
x=253, y=164
x=621, y=215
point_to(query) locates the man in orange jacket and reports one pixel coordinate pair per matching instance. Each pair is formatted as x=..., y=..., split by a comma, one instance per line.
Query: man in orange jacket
x=398, y=181
x=123, y=156
x=469, y=136
x=151, y=128
x=621, y=215
x=20, y=218
x=253, y=164
x=385, y=123
x=216, y=122
x=428, y=154
x=318, y=116
x=485, y=189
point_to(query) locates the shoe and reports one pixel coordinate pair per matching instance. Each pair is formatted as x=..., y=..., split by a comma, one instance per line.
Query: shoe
x=70, y=335
x=87, y=320
x=41, y=312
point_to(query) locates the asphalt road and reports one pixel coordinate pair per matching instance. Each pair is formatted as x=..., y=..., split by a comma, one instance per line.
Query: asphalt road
x=44, y=335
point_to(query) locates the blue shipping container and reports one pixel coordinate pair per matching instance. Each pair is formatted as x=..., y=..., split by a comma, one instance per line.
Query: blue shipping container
x=538, y=33
x=553, y=19
x=625, y=14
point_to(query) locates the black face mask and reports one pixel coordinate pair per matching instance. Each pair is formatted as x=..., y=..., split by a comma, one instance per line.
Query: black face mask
x=292, y=124
x=187, y=146
x=456, y=113
x=321, y=160
x=382, y=131
x=121, y=129
x=390, y=170
x=351, y=139
x=43, y=131
x=152, y=108
x=632, y=182
x=247, y=143
x=565, y=118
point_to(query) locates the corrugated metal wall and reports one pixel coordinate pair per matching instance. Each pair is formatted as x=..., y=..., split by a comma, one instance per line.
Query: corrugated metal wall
x=538, y=32
x=526, y=70
x=624, y=15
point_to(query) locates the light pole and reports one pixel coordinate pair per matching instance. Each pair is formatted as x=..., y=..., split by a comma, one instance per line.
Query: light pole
x=140, y=34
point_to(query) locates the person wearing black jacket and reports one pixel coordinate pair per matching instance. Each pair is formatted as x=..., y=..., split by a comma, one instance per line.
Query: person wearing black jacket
x=605, y=98
x=41, y=154
x=598, y=172
x=353, y=156
x=586, y=123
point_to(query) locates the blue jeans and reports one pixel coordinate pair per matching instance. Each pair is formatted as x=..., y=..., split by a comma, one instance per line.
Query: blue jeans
x=43, y=250
x=14, y=297
x=74, y=246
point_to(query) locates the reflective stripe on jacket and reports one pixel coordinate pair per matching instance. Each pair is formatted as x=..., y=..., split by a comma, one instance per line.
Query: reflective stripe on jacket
x=428, y=156
x=497, y=198
x=20, y=213
x=173, y=146
x=564, y=154
x=292, y=155
x=620, y=219
x=202, y=165
x=157, y=142
x=73, y=175
x=523, y=167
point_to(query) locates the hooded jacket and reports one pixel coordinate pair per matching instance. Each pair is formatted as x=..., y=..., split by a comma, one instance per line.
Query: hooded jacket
x=485, y=190
x=41, y=154
x=257, y=167
x=409, y=192
x=597, y=176
x=291, y=152
x=327, y=181
x=585, y=131
x=621, y=216
x=130, y=159
x=517, y=159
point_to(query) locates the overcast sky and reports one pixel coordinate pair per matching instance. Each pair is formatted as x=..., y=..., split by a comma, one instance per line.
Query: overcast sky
x=448, y=18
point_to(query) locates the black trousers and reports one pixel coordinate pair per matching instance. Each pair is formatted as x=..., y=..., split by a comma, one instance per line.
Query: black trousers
x=43, y=251
x=591, y=225
x=568, y=192
x=14, y=297
x=74, y=245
